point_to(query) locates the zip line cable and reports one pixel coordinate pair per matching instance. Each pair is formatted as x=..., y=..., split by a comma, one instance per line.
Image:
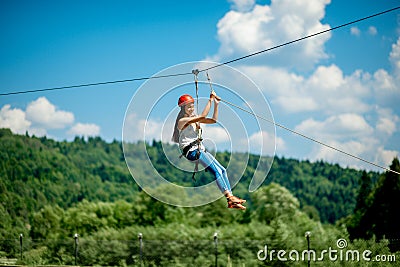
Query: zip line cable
x=187, y=73
x=309, y=138
x=95, y=84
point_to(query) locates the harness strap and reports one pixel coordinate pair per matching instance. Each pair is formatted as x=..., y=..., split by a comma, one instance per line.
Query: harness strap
x=199, y=138
x=196, y=165
x=186, y=149
x=185, y=152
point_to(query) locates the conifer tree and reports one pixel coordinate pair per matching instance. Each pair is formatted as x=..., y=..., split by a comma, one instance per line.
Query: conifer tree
x=357, y=225
x=363, y=193
x=383, y=218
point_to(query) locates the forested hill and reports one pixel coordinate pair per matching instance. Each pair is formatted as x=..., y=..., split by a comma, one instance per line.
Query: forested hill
x=36, y=172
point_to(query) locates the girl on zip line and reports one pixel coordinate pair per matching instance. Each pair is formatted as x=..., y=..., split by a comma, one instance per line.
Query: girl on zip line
x=187, y=133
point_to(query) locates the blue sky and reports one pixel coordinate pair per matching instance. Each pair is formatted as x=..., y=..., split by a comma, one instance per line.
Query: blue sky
x=341, y=88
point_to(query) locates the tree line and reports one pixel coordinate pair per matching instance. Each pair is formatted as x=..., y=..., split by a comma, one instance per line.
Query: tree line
x=49, y=189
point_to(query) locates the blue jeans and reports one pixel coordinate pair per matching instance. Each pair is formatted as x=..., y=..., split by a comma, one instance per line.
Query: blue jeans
x=212, y=165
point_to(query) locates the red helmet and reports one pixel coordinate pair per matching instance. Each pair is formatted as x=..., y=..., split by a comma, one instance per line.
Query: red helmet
x=185, y=99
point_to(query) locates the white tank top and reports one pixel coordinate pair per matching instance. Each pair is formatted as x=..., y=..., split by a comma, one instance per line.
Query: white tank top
x=187, y=136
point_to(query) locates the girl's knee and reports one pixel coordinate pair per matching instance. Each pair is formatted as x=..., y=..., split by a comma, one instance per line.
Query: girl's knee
x=222, y=169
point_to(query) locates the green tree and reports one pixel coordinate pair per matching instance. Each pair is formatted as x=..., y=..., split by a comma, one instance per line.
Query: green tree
x=363, y=193
x=383, y=220
x=274, y=201
x=357, y=225
x=46, y=222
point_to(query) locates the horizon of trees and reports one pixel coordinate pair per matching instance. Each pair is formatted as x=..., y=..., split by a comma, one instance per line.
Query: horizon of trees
x=51, y=189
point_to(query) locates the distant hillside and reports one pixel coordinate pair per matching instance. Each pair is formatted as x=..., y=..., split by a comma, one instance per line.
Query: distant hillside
x=36, y=172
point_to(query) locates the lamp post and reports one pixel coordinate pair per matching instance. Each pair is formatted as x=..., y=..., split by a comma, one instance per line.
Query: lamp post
x=140, y=236
x=216, y=248
x=76, y=237
x=20, y=244
x=307, y=235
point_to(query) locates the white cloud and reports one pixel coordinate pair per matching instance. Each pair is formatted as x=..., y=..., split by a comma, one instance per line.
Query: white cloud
x=354, y=111
x=352, y=134
x=326, y=79
x=336, y=127
x=357, y=148
x=152, y=129
x=216, y=133
x=41, y=116
x=216, y=138
x=355, y=31
x=384, y=156
x=136, y=128
x=327, y=90
x=294, y=104
x=44, y=114
x=372, y=30
x=284, y=89
x=242, y=5
x=335, y=92
x=386, y=85
x=273, y=81
x=266, y=26
x=386, y=125
x=367, y=149
x=384, y=81
x=394, y=58
x=386, y=122
x=14, y=119
x=263, y=141
x=84, y=129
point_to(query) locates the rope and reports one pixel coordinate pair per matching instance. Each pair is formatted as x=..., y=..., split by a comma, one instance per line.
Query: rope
x=196, y=82
x=94, y=84
x=206, y=69
x=199, y=138
x=310, y=138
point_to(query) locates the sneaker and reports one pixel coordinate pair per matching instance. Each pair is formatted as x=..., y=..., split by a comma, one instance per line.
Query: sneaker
x=236, y=200
x=232, y=205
